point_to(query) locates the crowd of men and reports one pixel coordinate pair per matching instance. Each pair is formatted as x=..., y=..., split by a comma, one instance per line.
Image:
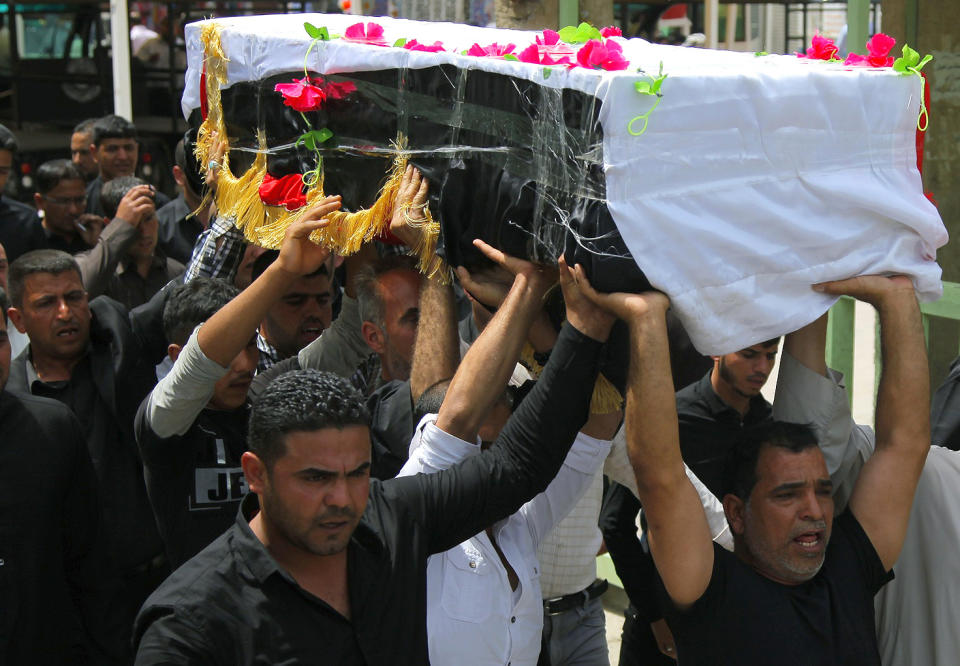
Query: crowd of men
x=217, y=454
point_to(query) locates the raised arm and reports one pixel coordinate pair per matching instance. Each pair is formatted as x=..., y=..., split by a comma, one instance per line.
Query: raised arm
x=884, y=491
x=487, y=366
x=436, y=352
x=227, y=332
x=679, y=536
x=809, y=392
x=455, y=504
x=99, y=263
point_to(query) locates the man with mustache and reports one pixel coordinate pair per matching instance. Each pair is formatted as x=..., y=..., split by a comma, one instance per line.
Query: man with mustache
x=86, y=355
x=116, y=151
x=298, y=317
x=799, y=586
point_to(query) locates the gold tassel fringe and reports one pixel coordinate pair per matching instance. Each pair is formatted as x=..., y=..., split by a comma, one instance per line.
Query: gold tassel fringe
x=606, y=399
x=264, y=225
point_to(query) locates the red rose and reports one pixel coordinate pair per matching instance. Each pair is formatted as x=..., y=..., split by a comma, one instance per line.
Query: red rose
x=302, y=95
x=286, y=191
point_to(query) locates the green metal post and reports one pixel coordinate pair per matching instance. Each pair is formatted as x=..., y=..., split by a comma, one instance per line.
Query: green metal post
x=910, y=15
x=858, y=25
x=568, y=12
x=840, y=340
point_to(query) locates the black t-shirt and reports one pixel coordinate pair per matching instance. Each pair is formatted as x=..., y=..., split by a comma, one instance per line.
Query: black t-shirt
x=744, y=618
x=194, y=481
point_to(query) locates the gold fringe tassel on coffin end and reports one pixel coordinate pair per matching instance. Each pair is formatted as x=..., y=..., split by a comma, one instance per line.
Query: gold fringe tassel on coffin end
x=239, y=198
x=606, y=399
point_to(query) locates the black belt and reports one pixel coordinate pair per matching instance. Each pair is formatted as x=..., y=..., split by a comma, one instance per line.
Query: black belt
x=559, y=605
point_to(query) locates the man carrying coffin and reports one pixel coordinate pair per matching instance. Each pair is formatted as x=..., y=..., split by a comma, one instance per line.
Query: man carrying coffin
x=804, y=576
x=323, y=564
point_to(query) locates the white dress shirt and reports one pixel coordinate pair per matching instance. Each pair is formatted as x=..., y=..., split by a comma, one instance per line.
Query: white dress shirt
x=473, y=615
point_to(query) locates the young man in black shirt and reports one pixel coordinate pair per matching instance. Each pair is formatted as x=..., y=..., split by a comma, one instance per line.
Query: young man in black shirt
x=325, y=564
x=192, y=428
x=799, y=586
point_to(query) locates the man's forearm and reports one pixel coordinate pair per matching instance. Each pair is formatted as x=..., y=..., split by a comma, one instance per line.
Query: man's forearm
x=484, y=371
x=529, y=451
x=903, y=397
x=653, y=440
x=228, y=331
x=808, y=345
x=99, y=263
x=437, y=349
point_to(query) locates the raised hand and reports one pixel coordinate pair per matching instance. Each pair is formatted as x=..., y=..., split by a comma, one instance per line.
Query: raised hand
x=298, y=254
x=408, y=207
x=215, y=156
x=622, y=305
x=872, y=289
x=583, y=313
x=137, y=205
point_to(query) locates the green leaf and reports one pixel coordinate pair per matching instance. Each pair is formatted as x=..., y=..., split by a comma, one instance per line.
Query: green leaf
x=320, y=33
x=580, y=34
x=657, y=82
x=400, y=42
x=512, y=57
x=759, y=54
x=546, y=73
x=927, y=58
x=322, y=135
x=643, y=87
x=309, y=142
x=911, y=56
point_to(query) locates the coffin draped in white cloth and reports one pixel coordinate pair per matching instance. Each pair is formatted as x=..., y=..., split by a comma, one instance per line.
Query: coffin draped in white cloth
x=755, y=178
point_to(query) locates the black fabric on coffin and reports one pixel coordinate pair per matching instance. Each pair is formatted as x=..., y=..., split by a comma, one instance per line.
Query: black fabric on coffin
x=510, y=161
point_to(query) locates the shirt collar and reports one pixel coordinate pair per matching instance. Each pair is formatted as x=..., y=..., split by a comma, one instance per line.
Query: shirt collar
x=759, y=407
x=158, y=261
x=258, y=559
x=269, y=355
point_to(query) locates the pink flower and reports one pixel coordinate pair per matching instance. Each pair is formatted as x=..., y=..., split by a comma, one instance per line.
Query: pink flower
x=491, y=50
x=606, y=55
x=372, y=34
x=878, y=47
x=548, y=51
x=611, y=31
x=303, y=94
x=414, y=45
x=550, y=37
x=821, y=48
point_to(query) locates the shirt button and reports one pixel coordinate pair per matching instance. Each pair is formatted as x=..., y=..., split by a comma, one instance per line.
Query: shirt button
x=473, y=565
x=513, y=619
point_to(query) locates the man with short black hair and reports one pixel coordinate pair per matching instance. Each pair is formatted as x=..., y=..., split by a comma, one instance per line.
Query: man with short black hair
x=298, y=318
x=85, y=355
x=131, y=269
x=116, y=150
x=48, y=500
x=15, y=218
x=322, y=560
x=180, y=226
x=81, y=149
x=191, y=429
x=805, y=577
